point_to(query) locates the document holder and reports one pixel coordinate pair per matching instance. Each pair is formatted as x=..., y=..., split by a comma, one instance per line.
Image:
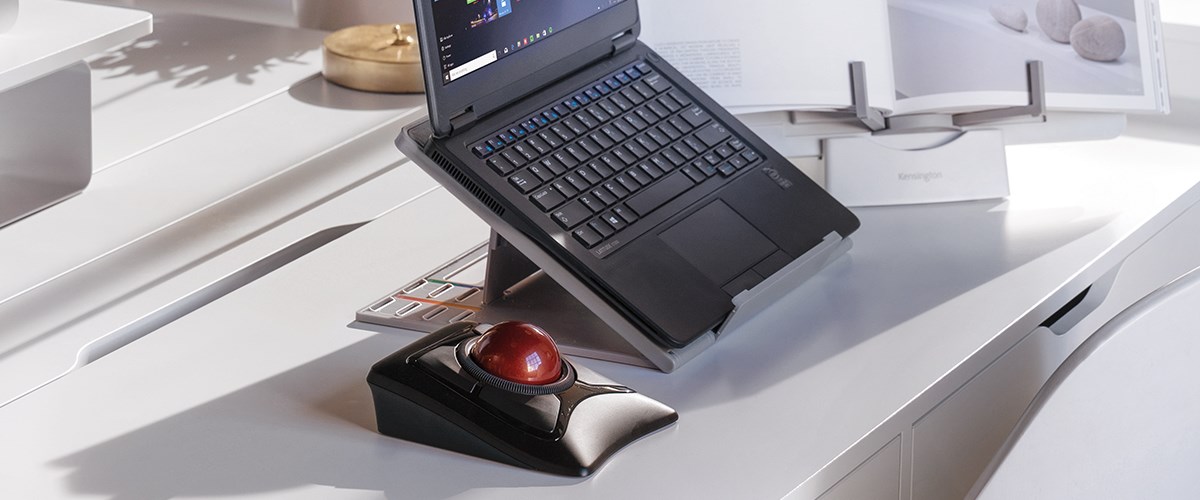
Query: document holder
x=500, y=280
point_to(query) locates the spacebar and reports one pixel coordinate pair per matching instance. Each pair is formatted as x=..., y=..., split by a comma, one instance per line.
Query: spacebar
x=655, y=196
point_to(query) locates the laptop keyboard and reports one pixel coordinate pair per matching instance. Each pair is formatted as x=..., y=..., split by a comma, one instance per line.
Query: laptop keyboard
x=613, y=152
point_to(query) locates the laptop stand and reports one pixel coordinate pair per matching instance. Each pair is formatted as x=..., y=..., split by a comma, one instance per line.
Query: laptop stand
x=496, y=282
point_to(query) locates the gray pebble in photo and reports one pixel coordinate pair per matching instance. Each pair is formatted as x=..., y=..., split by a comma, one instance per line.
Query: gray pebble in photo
x=1098, y=38
x=1011, y=16
x=1057, y=17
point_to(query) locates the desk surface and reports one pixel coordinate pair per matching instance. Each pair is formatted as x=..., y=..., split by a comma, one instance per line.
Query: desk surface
x=262, y=393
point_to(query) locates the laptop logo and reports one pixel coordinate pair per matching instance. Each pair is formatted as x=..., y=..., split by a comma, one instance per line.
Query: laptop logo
x=777, y=177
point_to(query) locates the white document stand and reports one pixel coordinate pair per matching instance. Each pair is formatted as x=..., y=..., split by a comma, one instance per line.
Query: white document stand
x=46, y=101
x=933, y=158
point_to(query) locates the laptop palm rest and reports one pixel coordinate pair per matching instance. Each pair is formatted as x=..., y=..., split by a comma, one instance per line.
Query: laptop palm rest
x=718, y=242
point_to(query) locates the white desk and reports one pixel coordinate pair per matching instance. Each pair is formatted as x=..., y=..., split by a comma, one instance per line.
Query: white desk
x=262, y=394
x=875, y=372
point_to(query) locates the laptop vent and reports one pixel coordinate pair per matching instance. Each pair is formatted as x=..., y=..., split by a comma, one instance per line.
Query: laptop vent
x=466, y=182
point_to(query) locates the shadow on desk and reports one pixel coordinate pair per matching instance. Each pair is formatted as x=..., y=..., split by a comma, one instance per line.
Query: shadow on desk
x=885, y=282
x=312, y=425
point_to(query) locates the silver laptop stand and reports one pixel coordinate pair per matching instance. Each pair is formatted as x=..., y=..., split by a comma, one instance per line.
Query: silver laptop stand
x=497, y=281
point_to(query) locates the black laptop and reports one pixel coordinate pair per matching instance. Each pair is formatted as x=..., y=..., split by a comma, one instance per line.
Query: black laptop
x=551, y=117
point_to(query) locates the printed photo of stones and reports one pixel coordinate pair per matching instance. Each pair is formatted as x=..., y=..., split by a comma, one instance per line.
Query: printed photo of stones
x=1087, y=46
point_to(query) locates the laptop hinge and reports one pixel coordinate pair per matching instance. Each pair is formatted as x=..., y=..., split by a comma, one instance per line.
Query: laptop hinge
x=624, y=41
x=462, y=120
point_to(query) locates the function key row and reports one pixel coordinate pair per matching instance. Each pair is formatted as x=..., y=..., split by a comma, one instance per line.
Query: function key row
x=585, y=97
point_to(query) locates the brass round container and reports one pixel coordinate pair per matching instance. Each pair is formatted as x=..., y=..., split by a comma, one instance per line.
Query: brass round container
x=375, y=58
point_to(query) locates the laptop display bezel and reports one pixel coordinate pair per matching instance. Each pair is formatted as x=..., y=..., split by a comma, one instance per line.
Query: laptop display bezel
x=518, y=74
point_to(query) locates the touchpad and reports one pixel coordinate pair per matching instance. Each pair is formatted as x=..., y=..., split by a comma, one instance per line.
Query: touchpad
x=718, y=242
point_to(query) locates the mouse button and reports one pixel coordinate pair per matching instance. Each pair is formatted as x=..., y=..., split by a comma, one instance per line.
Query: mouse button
x=442, y=364
x=538, y=412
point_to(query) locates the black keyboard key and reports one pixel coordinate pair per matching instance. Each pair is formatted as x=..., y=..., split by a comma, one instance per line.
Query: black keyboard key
x=507, y=137
x=593, y=93
x=554, y=166
x=658, y=83
x=633, y=96
x=623, y=78
x=709, y=170
x=644, y=89
x=543, y=174
x=495, y=143
x=538, y=145
x=680, y=124
x=643, y=67
x=598, y=113
x=518, y=160
x=624, y=127
x=566, y=159
x=612, y=83
x=574, y=126
x=587, y=120
x=662, y=164
x=627, y=183
x=637, y=123
x=670, y=104
x=750, y=155
x=660, y=193
x=572, y=214
x=562, y=132
x=712, y=135
x=526, y=151
x=726, y=169
x=588, y=175
x=725, y=151
x=529, y=127
x=658, y=136
x=602, y=140
x=621, y=102
x=613, y=220
x=636, y=149
x=576, y=181
x=695, y=116
x=737, y=144
x=625, y=155
x=551, y=139
x=684, y=150
x=674, y=157
x=738, y=162
x=616, y=189
x=601, y=168
x=583, y=100
x=646, y=115
x=524, y=181
x=561, y=109
x=547, y=198
x=601, y=227
x=679, y=98
x=592, y=202
x=639, y=176
x=605, y=196
x=610, y=108
x=571, y=104
x=590, y=146
x=653, y=171
x=659, y=110
x=552, y=114
x=577, y=153
x=613, y=133
x=587, y=237
x=602, y=89
x=712, y=158
x=501, y=166
x=694, y=173
x=695, y=144
x=518, y=132
x=625, y=213
x=565, y=188
x=670, y=130
x=633, y=73
x=483, y=150
x=540, y=120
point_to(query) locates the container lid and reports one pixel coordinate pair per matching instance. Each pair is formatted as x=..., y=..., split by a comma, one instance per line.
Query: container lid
x=375, y=57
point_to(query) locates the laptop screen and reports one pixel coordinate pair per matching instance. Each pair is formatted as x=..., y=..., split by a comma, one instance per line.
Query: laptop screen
x=472, y=34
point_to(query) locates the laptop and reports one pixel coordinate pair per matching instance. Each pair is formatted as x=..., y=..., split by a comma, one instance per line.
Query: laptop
x=550, y=117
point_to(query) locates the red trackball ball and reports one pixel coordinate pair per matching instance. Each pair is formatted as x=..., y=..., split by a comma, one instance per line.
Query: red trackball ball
x=518, y=352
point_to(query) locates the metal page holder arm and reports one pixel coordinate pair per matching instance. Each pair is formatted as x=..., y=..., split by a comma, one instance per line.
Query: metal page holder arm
x=924, y=158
